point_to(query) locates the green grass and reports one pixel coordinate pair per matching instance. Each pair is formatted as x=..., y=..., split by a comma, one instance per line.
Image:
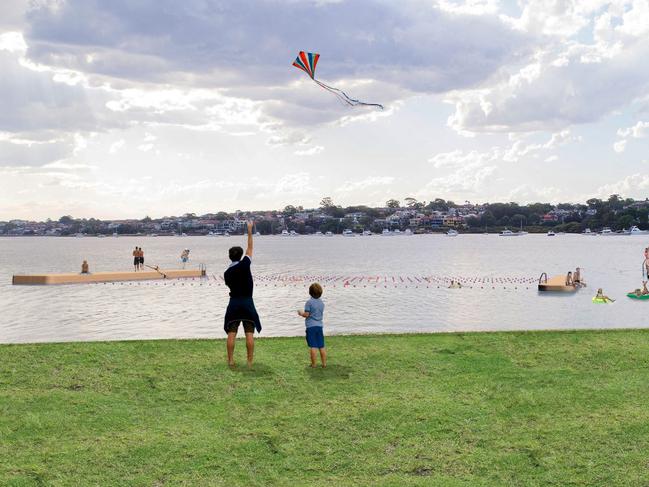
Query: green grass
x=543, y=408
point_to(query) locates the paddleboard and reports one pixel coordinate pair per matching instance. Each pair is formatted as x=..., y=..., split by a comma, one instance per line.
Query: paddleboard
x=642, y=297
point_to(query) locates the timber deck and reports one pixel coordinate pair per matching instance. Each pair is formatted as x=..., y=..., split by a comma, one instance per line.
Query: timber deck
x=556, y=284
x=46, y=279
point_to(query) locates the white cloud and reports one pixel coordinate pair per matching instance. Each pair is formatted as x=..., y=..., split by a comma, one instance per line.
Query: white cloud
x=570, y=80
x=12, y=42
x=116, y=146
x=365, y=184
x=619, y=146
x=311, y=151
x=633, y=186
x=638, y=131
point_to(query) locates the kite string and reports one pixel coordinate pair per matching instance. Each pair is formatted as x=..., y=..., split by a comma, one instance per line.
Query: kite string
x=347, y=98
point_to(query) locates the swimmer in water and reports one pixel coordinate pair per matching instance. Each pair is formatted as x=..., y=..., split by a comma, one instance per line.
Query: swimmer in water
x=601, y=297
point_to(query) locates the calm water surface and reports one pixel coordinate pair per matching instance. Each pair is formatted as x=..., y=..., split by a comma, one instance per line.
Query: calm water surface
x=176, y=309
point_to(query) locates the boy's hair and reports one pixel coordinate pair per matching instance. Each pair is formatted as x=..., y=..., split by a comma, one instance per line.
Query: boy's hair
x=235, y=254
x=315, y=290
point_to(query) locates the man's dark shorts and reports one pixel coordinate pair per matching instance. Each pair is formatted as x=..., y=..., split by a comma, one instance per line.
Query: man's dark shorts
x=233, y=326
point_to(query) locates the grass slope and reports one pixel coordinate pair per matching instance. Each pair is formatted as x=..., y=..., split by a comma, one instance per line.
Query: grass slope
x=546, y=408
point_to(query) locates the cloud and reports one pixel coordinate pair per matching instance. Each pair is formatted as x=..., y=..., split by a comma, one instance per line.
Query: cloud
x=633, y=186
x=365, y=184
x=33, y=101
x=382, y=51
x=33, y=154
x=568, y=80
x=312, y=151
x=638, y=131
x=526, y=193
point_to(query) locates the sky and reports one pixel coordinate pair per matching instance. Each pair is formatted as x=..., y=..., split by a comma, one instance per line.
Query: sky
x=125, y=108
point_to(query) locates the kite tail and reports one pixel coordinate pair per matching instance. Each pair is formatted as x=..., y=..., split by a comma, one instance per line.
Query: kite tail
x=343, y=96
x=335, y=92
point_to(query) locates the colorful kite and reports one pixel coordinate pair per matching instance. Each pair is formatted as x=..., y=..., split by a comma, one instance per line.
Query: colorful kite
x=307, y=61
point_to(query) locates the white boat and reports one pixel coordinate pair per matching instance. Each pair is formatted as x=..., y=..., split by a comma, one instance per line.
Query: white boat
x=588, y=232
x=115, y=234
x=551, y=233
x=226, y=234
x=606, y=232
x=285, y=233
x=407, y=232
x=636, y=231
x=257, y=234
x=329, y=234
x=293, y=233
x=348, y=233
x=397, y=232
x=318, y=234
x=366, y=233
x=508, y=233
x=101, y=235
x=386, y=232
x=452, y=233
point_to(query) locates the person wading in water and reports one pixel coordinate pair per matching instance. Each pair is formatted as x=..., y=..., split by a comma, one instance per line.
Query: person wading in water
x=241, y=308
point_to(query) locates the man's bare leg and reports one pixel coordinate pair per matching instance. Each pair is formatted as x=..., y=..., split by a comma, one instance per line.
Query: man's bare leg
x=314, y=355
x=323, y=356
x=232, y=336
x=250, y=347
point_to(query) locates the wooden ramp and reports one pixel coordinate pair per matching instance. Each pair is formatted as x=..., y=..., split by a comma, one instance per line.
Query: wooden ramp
x=44, y=279
x=555, y=284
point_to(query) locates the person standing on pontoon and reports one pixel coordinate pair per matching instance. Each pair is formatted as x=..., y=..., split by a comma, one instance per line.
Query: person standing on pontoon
x=241, y=308
x=184, y=257
x=136, y=259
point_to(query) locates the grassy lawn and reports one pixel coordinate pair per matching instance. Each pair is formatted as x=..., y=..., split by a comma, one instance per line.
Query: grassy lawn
x=543, y=408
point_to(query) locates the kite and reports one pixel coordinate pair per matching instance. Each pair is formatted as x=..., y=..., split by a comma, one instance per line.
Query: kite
x=306, y=61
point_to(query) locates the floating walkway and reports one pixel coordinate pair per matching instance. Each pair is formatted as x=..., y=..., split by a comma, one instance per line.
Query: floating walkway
x=556, y=284
x=98, y=277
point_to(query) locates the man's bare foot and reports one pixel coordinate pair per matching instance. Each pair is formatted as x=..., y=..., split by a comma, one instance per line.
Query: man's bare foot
x=249, y=365
x=232, y=365
x=313, y=366
x=324, y=366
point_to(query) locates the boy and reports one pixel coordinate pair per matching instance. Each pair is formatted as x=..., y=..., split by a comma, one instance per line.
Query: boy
x=313, y=312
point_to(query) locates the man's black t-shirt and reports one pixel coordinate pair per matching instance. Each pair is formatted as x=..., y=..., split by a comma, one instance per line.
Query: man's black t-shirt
x=239, y=278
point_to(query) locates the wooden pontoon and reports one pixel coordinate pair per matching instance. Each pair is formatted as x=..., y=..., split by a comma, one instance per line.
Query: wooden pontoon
x=44, y=279
x=562, y=284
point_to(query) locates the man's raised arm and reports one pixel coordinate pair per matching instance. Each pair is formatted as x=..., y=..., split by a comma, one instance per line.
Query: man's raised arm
x=249, y=249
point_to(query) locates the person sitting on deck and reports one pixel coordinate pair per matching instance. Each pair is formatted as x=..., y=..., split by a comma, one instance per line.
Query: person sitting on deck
x=576, y=278
x=84, y=268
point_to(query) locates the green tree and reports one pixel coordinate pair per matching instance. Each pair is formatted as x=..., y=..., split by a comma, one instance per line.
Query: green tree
x=392, y=203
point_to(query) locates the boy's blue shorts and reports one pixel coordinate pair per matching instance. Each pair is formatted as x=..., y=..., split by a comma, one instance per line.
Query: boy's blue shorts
x=315, y=337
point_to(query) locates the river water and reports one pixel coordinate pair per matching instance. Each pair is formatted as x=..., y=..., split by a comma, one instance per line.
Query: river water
x=372, y=284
